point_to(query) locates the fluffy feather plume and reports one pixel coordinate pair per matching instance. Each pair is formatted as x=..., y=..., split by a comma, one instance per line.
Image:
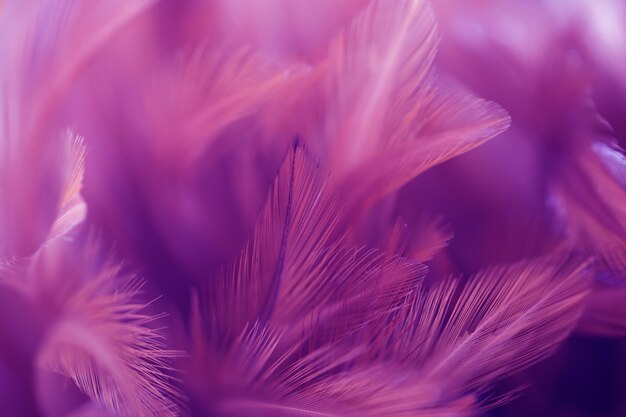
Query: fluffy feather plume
x=103, y=340
x=293, y=295
x=387, y=106
x=461, y=338
x=205, y=91
x=466, y=336
x=70, y=210
x=96, y=333
x=295, y=264
x=44, y=47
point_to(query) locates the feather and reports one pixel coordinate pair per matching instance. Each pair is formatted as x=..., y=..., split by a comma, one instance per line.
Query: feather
x=452, y=123
x=98, y=334
x=102, y=339
x=72, y=208
x=465, y=337
x=386, y=101
x=284, y=311
x=294, y=263
x=70, y=212
x=417, y=351
x=194, y=99
x=386, y=390
x=450, y=343
x=370, y=66
x=44, y=47
x=47, y=49
x=325, y=382
x=420, y=242
x=384, y=401
x=590, y=193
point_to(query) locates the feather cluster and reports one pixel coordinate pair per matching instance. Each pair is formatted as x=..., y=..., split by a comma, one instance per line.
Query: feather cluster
x=270, y=208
